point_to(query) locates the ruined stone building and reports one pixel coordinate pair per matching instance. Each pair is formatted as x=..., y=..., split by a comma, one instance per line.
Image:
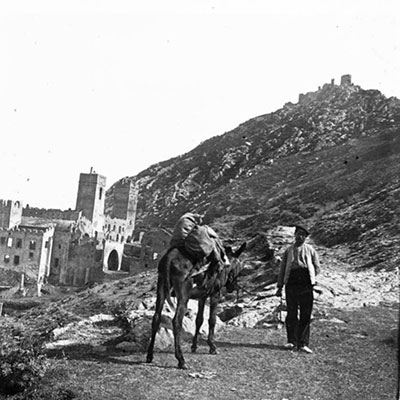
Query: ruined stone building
x=345, y=80
x=81, y=246
x=24, y=247
x=145, y=252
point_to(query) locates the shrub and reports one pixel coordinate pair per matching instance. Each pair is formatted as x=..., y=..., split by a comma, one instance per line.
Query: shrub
x=25, y=371
x=49, y=393
x=121, y=311
x=21, y=368
x=54, y=391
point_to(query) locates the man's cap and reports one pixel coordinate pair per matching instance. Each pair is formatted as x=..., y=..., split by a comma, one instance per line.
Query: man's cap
x=303, y=228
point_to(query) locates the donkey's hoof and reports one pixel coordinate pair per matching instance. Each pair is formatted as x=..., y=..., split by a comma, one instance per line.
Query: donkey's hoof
x=149, y=359
x=213, y=351
x=182, y=366
x=194, y=349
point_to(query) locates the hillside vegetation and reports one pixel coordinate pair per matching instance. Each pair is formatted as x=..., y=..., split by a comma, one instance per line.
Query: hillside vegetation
x=331, y=159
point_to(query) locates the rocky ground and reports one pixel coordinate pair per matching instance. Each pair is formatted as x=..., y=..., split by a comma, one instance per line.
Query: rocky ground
x=99, y=335
x=86, y=317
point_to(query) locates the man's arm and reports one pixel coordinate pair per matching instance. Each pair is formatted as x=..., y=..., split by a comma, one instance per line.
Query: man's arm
x=281, y=274
x=315, y=260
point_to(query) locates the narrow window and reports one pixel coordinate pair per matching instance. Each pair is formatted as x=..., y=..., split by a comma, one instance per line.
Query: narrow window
x=30, y=255
x=16, y=260
x=18, y=244
x=2, y=240
x=100, y=193
x=9, y=242
x=32, y=245
x=56, y=261
x=6, y=258
x=59, y=246
x=46, y=245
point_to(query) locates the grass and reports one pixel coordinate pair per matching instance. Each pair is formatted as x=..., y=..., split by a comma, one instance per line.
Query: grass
x=353, y=359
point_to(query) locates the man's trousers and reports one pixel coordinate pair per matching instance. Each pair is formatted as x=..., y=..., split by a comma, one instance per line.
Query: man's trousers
x=299, y=302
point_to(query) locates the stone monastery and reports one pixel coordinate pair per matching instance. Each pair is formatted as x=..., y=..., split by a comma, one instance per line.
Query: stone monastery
x=82, y=246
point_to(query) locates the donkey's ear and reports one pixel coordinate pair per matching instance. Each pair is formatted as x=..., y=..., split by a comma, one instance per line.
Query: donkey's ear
x=240, y=250
x=228, y=250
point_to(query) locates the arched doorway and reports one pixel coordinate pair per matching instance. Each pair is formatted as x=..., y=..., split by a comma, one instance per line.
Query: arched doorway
x=113, y=261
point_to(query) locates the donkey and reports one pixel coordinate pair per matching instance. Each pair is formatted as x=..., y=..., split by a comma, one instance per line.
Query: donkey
x=176, y=272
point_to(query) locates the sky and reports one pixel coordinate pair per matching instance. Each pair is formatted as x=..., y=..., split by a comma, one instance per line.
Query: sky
x=120, y=85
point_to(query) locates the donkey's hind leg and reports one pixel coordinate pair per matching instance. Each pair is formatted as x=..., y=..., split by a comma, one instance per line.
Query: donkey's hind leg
x=177, y=325
x=156, y=319
x=214, y=300
x=182, y=290
x=199, y=322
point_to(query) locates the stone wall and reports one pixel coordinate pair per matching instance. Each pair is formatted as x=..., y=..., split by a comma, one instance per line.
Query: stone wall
x=84, y=266
x=52, y=213
x=91, y=197
x=10, y=213
x=117, y=229
x=131, y=258
x=145, y=253
x=154, y=244
x=112, y=255
x=59, y=257
x=345, y=80
x=124, y=201
x=27, y=249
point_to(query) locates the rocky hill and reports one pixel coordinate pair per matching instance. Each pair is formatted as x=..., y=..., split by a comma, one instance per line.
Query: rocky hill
x=331, y=159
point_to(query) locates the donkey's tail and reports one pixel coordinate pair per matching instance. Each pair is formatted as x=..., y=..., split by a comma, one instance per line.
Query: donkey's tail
x=167, y=288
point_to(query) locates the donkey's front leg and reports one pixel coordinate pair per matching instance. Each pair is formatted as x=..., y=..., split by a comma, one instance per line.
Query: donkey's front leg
x=214, y=300
x=199, y=322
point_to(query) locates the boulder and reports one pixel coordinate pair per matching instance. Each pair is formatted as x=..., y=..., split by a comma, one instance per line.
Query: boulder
x=88, y=331
x=230, y=313
x=142, y=326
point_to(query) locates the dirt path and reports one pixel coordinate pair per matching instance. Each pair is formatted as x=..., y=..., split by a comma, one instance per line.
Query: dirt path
x=353, y=337
x=353, y=359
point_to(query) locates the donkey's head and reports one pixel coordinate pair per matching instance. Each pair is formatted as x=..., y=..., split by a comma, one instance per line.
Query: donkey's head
x=232, y=272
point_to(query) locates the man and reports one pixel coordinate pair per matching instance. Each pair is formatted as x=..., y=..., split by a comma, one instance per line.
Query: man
x=199, y=241
x=298, y=269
